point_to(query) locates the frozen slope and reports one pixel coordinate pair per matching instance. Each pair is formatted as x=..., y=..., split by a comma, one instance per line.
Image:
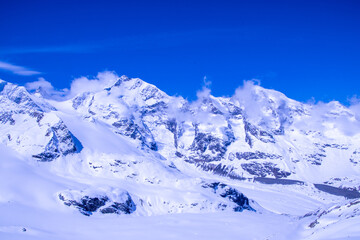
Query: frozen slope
x=31, y=210
x=127, y=160
x=255, y=133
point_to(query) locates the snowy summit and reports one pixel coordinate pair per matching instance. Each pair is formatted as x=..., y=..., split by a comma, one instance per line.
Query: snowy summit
x=115, y=157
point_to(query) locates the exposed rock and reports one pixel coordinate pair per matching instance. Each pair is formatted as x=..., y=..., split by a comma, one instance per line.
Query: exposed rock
x=256, y=155
x=264, y=169
x=46, y=156
x=126, y=207
x=158, y=107
x=129, y=128
x=315, y=158
x=220, y=169
x=87, y=205
x=171, y=125
x=355, y=157
x=37, y=115
x=251, y=130
x=150, y=92
x=225, y=191
x=79, y=100
x=208, y=148
x=62, y=142
x=339, y=212
x=7, y=117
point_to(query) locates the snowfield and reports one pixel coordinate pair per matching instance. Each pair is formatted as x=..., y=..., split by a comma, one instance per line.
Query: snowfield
x=118, y=158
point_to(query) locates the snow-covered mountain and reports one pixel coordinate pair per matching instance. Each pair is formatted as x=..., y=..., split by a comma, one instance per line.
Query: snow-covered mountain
x=126, y=147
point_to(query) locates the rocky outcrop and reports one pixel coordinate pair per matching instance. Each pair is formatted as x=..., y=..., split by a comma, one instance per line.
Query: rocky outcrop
x=62, y=142
x=129, y=128
x=88, y=205
x=227, y=192
x=264, y=169
x=126, y=207
x=253, y=131
x=256, y=155
x=31, y=126
x=208, y=148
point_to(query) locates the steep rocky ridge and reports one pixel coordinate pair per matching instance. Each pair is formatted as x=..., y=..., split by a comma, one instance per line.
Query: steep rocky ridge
x=131, y=131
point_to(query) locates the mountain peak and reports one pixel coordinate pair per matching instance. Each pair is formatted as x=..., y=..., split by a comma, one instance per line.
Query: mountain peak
x=130, y=148
x=121, y=79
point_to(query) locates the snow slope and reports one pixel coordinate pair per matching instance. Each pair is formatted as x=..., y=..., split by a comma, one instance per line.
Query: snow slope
x=127, y=160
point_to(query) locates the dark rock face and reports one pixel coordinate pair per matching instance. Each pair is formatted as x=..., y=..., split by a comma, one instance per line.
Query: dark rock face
x=62, y=142
x=264, y=169
x=355, y=157
x=78, y=101
x=156, y=108
x=229, y=133
x=333, y=145
x=171, y=125
x=235, y=111
x=122, y=79
x=46, y=156
x=315, y=159
x=127, y=127
x=7, y=117
x=210, y=106
x=88, y=205
x=203, y=142
x=251, y=130
x=238, y=198
x=231, y=194
x=207, y=148
x=37, y=115
x=150, y=92
x=220, y=169
x=256, y=155
x=21, y=105
x=66, y=141
x=126, y=207
x=21, y=97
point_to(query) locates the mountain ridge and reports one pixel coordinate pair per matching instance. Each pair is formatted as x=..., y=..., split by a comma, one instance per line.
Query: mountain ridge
x=263, y=115
x=127, y=147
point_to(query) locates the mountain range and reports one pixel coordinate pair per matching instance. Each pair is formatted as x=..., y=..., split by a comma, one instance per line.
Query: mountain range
x=127, y=149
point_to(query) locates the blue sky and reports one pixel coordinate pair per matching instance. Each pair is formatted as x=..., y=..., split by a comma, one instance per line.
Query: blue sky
x=304, y=49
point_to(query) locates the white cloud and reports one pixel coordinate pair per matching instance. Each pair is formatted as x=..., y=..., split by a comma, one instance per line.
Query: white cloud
x=203, y=93
x=320, y=116
x=258, y=104
x=78, y=85
x=18, y=70
x=41, y=83
x=251, y=102
x=84, y=84
x=47, y=90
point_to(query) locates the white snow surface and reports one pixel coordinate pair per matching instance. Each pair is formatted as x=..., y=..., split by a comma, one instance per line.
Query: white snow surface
x=124, y=137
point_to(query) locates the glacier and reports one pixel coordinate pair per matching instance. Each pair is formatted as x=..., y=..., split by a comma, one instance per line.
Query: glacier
x=121, y=158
